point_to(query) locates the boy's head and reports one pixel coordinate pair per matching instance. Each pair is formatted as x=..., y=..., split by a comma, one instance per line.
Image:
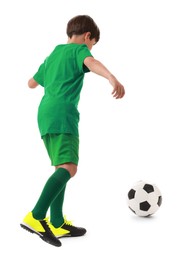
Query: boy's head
x=81, y=24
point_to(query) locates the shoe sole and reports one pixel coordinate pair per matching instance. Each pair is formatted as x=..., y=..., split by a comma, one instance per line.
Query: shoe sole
x=70, y=235
x=29, y=229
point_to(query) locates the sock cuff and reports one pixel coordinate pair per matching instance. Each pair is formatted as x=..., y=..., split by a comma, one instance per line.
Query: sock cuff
x=62, y=174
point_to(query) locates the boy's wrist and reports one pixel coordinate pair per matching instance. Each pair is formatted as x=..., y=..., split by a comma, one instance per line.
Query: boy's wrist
x=111, y=78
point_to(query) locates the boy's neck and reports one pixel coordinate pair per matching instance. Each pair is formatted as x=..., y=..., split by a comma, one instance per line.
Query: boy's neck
x=79, y=39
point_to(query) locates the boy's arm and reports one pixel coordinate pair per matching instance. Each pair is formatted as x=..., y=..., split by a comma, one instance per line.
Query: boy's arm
x=98, y=68
x=32, y=83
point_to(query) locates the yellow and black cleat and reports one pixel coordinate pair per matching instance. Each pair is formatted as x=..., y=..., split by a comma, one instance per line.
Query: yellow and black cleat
x=41, y=228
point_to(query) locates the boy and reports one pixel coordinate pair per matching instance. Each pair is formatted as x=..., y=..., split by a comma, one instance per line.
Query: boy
x=61, y=75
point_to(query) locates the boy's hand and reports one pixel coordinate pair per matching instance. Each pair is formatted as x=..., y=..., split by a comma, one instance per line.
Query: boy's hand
x=32, y=83
x=118, y=88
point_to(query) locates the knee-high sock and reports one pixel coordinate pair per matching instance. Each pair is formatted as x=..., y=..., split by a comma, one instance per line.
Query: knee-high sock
x=56, y=213
x=52, y=188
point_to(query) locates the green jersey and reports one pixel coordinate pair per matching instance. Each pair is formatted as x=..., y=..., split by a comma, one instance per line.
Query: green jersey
x=61, y=75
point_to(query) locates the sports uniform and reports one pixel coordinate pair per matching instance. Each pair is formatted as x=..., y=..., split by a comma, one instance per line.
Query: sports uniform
x=61, y=75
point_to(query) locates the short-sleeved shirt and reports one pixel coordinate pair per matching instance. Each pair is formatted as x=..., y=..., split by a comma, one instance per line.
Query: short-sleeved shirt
x=61, y=75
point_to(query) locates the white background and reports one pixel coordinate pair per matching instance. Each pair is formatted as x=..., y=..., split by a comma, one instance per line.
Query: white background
x=122, y=141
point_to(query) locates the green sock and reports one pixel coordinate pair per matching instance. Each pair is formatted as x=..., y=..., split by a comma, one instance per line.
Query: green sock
x=56, y=214
x=52, y=188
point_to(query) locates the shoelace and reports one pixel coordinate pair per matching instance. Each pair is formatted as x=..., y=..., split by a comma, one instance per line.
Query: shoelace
x=67, y=222
x=46, y=220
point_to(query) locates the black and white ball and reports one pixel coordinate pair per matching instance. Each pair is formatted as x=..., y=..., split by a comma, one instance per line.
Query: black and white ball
x=144, y=199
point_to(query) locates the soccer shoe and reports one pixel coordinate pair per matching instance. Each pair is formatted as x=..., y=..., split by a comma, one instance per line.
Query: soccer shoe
x=67, y=230
x=41, y=228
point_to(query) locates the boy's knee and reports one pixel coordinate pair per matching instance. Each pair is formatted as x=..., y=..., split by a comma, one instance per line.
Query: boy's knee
x=70, y=167
x=72, y=170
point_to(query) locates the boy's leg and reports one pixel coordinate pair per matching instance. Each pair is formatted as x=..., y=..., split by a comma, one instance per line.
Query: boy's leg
x=52, y=188
x=58, y=224
x=56, y=209
x=56, y=213
x=61, y=148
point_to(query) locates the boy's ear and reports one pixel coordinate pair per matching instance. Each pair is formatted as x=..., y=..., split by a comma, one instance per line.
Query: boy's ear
x=87, y=35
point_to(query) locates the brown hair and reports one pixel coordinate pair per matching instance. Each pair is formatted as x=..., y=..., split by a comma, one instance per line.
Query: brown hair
x=81, y=24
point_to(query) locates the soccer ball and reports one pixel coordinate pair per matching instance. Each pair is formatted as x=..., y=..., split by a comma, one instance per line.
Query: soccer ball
x=144, y=199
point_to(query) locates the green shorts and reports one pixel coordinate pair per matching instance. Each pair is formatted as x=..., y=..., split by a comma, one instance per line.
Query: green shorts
x=62, y=148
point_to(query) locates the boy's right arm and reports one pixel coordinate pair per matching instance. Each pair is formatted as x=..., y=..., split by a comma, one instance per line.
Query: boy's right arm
x=98, y=68
x=32, y=83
